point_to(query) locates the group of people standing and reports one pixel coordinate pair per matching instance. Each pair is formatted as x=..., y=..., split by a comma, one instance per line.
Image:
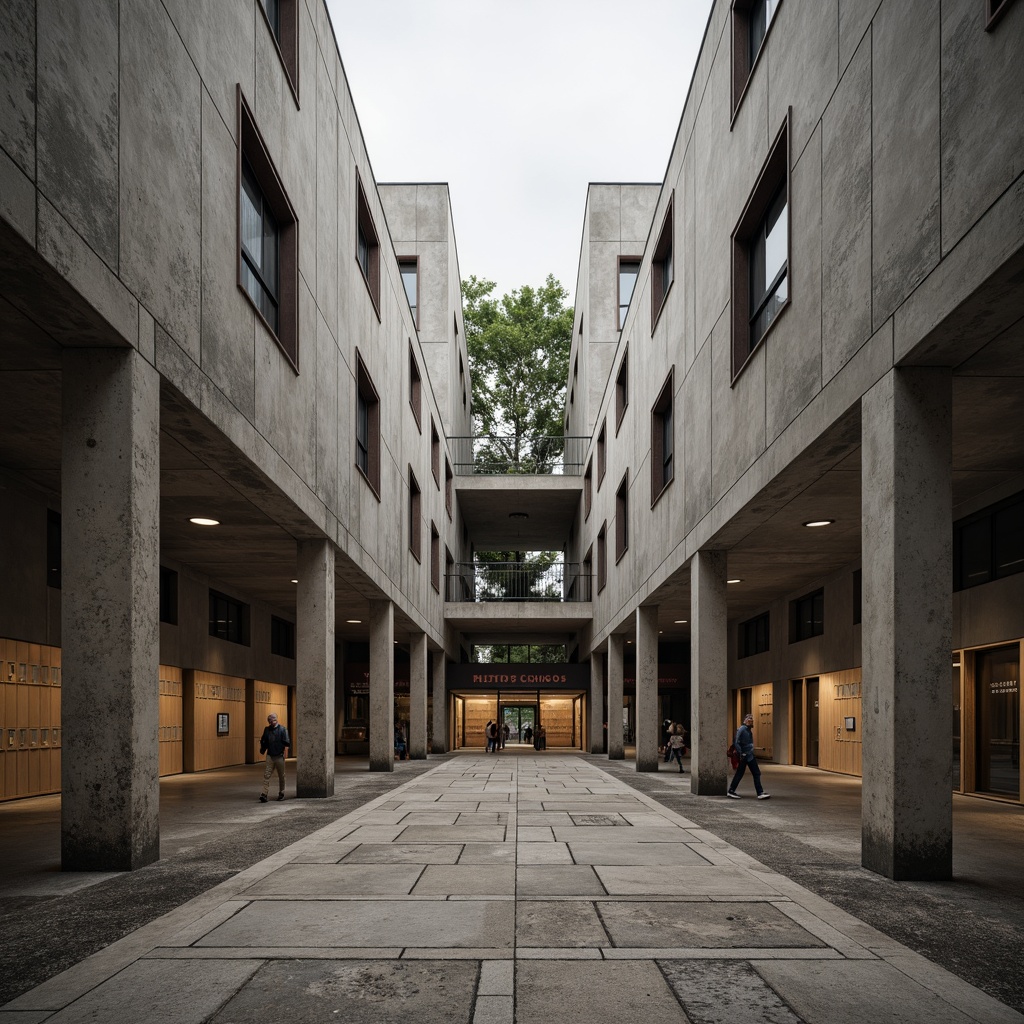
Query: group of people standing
x=497, y=735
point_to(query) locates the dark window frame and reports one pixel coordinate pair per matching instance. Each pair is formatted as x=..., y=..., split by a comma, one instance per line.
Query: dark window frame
x=435, y=557
x=633, y=261
x=282, y=637
x=286, y=39
x=663, y=270
x=415, y=508
x=252, y=153
x=414, y=308
x=602, y=453
x=602, y=557
x=449, y=487
x=797, y=620
x=435, y=453
x=415, y=388
x=774, y=176
x=662, y=431
x=366, y=395
x=754, y=636
x=622, y=390
x=744, y=63
x=588, y=488
x=622, y=518
x=366, y=236
x=990, y=525
x=236, y=618
x=994, y=11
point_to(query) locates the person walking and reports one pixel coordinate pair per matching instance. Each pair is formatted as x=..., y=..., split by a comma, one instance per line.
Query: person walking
x=487, y=734
x=666, y=735
x=677, y=745
x=274, y=742
x=400, y=745
x=745, y=748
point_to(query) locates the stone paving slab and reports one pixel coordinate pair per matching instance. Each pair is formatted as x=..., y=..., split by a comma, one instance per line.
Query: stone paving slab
x=637, y=854
x=404, y=853
x=338, y=880
x=467, y=880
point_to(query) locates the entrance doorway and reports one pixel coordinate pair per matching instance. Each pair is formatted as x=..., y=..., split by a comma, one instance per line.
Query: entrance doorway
x=804, y=738
x=521, y=720
x=997, y=721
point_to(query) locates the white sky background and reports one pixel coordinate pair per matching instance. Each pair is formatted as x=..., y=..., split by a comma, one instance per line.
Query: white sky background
x=518, y=105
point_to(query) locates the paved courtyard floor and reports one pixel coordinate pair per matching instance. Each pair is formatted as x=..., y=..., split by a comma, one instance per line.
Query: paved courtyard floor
x=522, y=889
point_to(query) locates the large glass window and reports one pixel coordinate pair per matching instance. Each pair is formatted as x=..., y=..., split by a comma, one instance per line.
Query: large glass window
x=989, y=544
x=807, y=617
x=997, y=720
x=769, y=263
x=260, y=238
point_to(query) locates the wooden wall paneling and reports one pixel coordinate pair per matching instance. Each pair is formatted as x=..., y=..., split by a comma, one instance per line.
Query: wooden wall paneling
x=839, y=697
x=268, y=698
x=214, y=693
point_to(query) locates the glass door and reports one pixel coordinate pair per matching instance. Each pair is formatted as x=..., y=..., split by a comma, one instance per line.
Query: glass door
x=521, y=720
x=997, y=720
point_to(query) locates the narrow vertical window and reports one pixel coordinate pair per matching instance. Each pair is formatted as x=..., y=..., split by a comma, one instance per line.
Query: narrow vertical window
x=435, y=557
x=601, y=453
x=769, y=266
x=414, y=515
x=53, y=549
x=662, y=265
x=622, y=517
x=259, y=249
x=662, y=441
x=588, y=489
x=367, y=428
x=629, y=268
x=409, y=268
x=283, y=21
x=602, y=557
x=751, y=20
x=367, y=247
x=415, y=388
x=622, y=389
x=435, y=453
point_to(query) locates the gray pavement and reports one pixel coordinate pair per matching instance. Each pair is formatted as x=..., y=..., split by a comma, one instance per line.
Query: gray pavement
x=511, y=888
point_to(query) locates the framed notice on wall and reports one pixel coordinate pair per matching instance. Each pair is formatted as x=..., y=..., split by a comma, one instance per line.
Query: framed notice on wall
x=222, y=723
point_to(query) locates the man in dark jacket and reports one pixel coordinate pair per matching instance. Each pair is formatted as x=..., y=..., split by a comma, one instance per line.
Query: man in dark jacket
x=274, y=743
x=745, y=746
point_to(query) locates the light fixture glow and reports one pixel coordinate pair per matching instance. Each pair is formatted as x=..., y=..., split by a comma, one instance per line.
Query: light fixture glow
x=295, y=581
x=354, y=622
x=199, y=521
x=681, y=622
x=820, y=522
x=734, y=581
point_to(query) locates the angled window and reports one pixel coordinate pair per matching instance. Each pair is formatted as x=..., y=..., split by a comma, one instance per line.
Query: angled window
x=367, y=247
x=448, y=487
x=409, y=267
x=622, y=517
x=751, y=20
x=601, y=453
x=588, y=489
x=435, y=453
x=367, y=428
x=415, y=389
x=622, y=389
x=435, y=557
x=662, y=266
x=662, y=440
x=267, y=238
x=629, y=267
x=754, y=636
x=994, y=10
x=282, y=637
x=602, y=556
x=168, y=596
x=282, y=17
x=53, y=549
x=760, y=244
x=229, y=619
x=807, y=617
x=414, y=515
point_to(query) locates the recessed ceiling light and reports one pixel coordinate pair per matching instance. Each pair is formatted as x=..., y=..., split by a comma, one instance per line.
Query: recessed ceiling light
x=734, y=581
x=681, y=622
x=820, y=522
x=199, y=521
x=295, y=581
x=355, y=622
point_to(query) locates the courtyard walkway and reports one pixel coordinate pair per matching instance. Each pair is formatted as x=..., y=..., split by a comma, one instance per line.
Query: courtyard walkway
x=501, y=889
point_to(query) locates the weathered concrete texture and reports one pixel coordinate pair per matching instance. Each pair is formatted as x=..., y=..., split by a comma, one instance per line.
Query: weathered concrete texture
x=708, y=664
x=439, y=740
x=418, y=696
x=648, y=726
x=717, y=992
x=614, y=701
x=382, y=686
x=109, y=616
x=562, y=924
x=314, y=668
x=595, y=704
x=907, y=627
x=357, y=992
x=17, y=82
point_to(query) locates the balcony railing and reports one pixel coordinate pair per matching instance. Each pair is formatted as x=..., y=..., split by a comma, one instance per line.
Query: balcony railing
x=518, y=581
x=494, y=455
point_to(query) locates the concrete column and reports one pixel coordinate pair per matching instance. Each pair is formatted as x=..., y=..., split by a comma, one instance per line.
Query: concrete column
x=648, y=725
x=314, y=668
x=339, y=694
x=440, y=742
x=418, y=697
x=382, y=686
x=596, y=705
x=906, y=541
x=709, y=729
x=615, y=647
x=110, y=630
x=782, y=748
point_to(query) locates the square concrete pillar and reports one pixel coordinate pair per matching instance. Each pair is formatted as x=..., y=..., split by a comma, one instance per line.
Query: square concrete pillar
x=596, y=705
x=110, y=550
x=648, y=726
x=382, y=686
x=906, y=542
x=314, y=668
x=418, y=697
x=615, y=648
x=709, y=730
x=440, y=741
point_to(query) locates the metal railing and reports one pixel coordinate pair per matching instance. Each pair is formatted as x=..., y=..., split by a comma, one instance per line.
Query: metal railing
x=518, y=581
x=496, y=455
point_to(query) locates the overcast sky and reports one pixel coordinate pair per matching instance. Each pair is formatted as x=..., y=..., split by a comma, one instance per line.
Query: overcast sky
x=518, y=105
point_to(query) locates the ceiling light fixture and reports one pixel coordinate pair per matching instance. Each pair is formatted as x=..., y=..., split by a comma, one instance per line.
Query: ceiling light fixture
x=820, y=522
x=734, y=581
x=354, y=622
x=199, y=521
x=681, y=622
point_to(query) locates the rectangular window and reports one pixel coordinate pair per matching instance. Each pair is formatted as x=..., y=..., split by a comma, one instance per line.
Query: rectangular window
x=622, y=389
x=601, y=454
x=267, y=238
x=409, y=267
x=168, y=596
x=588, y=488
x=435, y=453
x=662, y=440
x=760, y=244
x=435, y=557
x=807, y=617
x=662, y=266
x=448, y=487
x=754, y=636
x=622, y=517
x=282, y=637
x=451, y=581
x=229, y=619
x=989, y=544
x=629, y=268
x=414, y=515
x=857, y=596
x=587, y=591
x=367, y=428
x=367, y=247
x=415, y=389
x=751, y=20
x=602, y=556
x=53, y=552
x=283, y=19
